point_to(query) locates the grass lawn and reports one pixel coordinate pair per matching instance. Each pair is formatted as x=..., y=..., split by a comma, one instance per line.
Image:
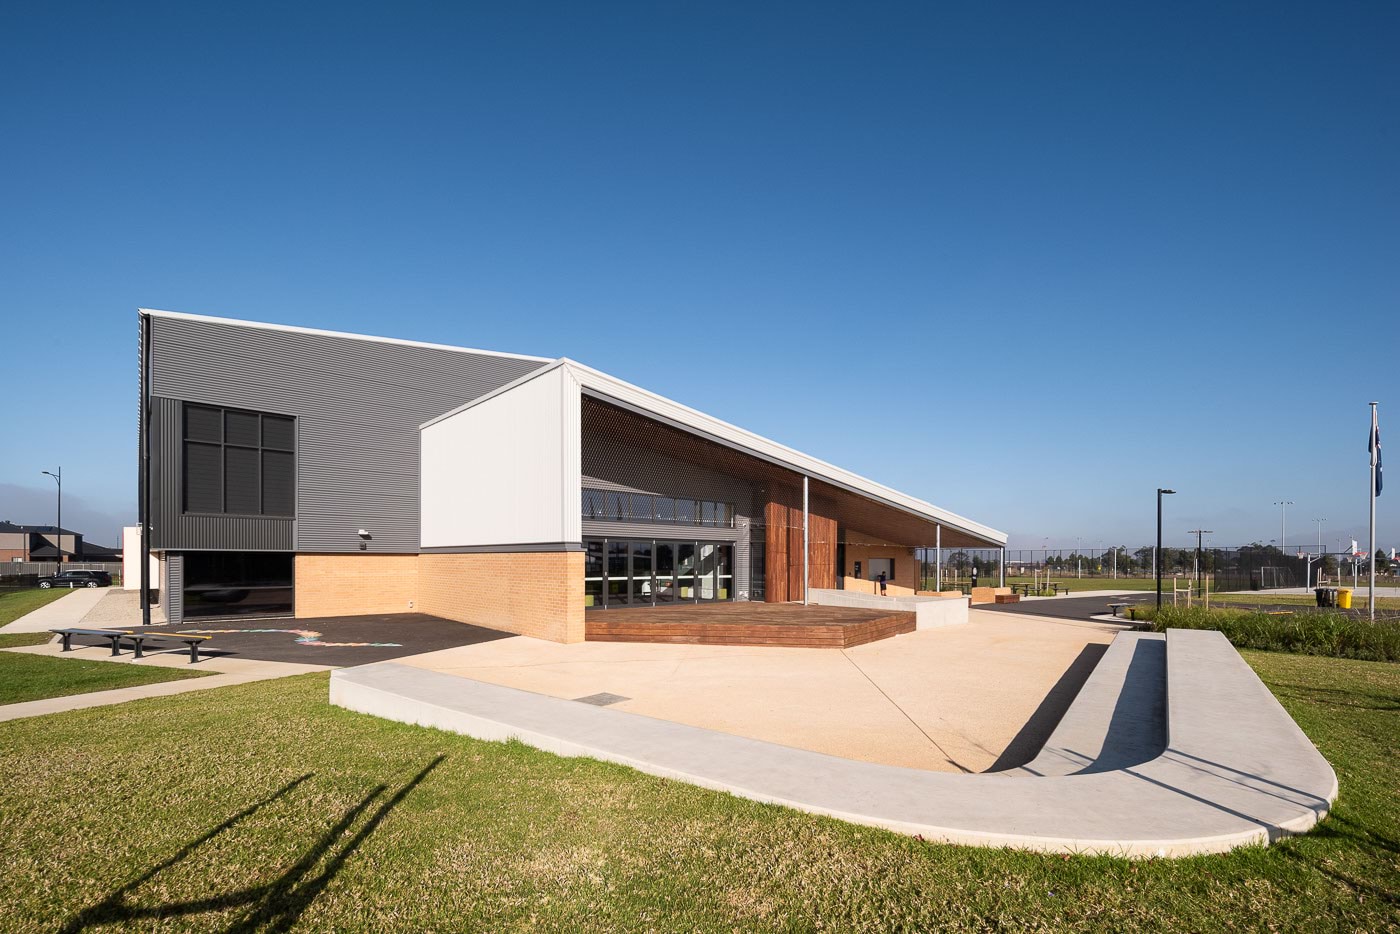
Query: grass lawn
x=1074, y=584
x=260, y=807
x=16, y=603
x=1264, y=598
x=34, y=677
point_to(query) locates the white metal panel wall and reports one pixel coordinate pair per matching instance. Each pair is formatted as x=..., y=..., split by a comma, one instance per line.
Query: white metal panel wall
x=505, y=471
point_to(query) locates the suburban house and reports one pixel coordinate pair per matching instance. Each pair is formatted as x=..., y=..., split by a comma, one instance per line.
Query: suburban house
x=287, y=471
x=48, y=543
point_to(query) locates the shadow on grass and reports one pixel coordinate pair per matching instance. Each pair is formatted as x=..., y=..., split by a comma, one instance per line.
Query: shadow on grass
x=275, y=906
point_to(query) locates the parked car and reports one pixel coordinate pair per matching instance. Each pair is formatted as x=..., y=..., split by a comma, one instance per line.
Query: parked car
x=71, y=579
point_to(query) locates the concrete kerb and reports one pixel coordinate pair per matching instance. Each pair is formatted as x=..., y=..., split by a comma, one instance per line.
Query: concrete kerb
x=1207, y=792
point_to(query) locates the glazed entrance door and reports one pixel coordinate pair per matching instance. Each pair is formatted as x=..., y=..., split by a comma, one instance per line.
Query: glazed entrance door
x=664, y=580
x=656, y=573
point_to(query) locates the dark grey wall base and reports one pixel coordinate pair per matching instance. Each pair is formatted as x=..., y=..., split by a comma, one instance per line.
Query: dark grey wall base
x=528, y=547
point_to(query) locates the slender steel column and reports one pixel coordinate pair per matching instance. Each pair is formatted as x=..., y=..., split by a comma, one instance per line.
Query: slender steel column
x=938, y=558
x=806, y=549
x=1157, y=560
x=144, y=493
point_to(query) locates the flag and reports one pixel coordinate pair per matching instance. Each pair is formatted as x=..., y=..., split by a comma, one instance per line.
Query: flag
x=1373, y=444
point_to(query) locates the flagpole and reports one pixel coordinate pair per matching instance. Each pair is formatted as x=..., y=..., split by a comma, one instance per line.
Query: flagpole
x=1375, y=455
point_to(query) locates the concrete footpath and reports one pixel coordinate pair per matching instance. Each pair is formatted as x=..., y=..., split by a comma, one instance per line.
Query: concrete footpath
x=63, y=612
x=223, y=672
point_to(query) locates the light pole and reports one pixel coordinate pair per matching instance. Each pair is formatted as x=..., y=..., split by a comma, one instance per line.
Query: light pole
x=1283, y=523
x=1160, y=493
x=1197, y=570
x=58, y=533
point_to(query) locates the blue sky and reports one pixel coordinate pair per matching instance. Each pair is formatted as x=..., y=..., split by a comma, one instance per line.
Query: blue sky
x=1026, y=261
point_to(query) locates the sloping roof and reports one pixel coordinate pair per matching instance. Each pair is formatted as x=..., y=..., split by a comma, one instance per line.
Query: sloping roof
x=36, y=529
x=48, y=551
x=99, y=551
x=628, y=396
x=265, y=326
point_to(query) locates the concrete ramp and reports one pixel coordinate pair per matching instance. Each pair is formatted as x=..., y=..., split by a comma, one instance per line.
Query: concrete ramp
x=1232, y=770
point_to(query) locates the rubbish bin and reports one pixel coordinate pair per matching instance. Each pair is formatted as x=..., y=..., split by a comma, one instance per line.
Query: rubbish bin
x=1344, y=598
x=1326, y=596
x=1321, y=594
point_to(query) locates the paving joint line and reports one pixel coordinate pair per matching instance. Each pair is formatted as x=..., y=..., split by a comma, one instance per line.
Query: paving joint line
x=943, y=752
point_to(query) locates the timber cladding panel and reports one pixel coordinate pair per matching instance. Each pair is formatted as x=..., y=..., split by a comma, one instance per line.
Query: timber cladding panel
x=783, y=552
x=355, y=585
x=538, y=594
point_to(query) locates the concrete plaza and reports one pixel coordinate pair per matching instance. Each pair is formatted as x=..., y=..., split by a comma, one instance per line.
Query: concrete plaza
x=958, y=699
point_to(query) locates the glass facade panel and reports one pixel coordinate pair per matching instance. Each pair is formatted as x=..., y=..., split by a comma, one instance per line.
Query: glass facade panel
x=665, y=510
x=641, y=572
x=593, y=574
x=705, y=573
x=665, y=577
x=618, y=507
x=619, y=592
x=685, y=570
x=238, y=583
x=656, y=573
x=724, y=571
x=593, y=504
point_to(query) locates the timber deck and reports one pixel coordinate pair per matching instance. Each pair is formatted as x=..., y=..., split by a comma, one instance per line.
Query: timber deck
x=786, y=624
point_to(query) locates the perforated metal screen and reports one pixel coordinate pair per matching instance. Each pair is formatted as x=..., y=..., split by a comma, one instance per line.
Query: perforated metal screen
x=704, y=521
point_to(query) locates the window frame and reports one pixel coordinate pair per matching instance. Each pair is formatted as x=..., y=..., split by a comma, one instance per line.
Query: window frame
x=628, y=506
x=223, y=445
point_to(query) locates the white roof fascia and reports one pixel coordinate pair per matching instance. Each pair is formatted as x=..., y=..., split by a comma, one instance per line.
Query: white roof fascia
x=264, y=326
x=638, y=398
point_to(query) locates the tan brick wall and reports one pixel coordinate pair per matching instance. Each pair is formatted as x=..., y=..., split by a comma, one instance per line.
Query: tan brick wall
x=537, y=594
x=861, y=547
x=356, y=585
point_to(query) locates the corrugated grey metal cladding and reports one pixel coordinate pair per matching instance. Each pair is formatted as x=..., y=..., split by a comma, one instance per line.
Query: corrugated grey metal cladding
x=358, y=405
x=171, y=528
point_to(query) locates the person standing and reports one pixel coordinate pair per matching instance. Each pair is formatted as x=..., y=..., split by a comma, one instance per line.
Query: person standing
x=882, y=583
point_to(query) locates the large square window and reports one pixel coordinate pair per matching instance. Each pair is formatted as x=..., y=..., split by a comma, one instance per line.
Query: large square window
x=239, y=463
